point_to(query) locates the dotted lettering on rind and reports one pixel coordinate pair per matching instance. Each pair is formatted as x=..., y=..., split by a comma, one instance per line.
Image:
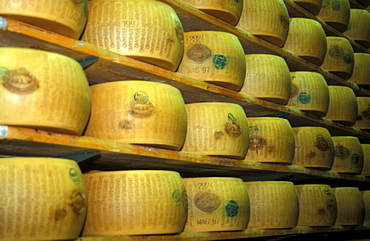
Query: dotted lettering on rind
x=199, y=53
x=321, y=143
x=304, y=98
x=73, y=174
x=219, y=61
x=207, y=202
x=232, y=209
x=341, y=152
x=20, y=81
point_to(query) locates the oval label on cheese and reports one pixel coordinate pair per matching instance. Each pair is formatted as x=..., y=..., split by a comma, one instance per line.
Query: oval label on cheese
x=20, y=81
x=207, y=202
x=141, y=107
x=321, y=143
x=336, y=52
x=232, y=128
x=341, y=152
x=199, y=53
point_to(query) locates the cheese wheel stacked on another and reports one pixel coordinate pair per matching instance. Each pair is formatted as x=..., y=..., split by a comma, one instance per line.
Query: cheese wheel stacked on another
x=317, y=205
x=274, y=204
x=363, y=116
x=349, y=156
x=41, y=199
x=66, y=17
x=309, y=93
x=266, y=19
x=43, y=90
x=366, y=197
x=351, y=207
x=336, y=13
x=146, y=30
x=138, y=112
x=307, y=39
x=359, y=26
x=343, y=107
x=361, y=70
x=313, y=6
x=314, y=147
x=136, y=202
x=366, y=166
x=267, y=78
x=226, y=10
x=216, y=204
x=271, y=140
x=217, y=129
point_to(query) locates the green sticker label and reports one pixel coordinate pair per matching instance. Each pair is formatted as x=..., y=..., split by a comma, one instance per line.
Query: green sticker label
x=335, y=5
x=232, y=208
x=3, y=71
x=219, y=61
x=347, y=58
x=73, y=174
x=304, y=98
x=355, y=159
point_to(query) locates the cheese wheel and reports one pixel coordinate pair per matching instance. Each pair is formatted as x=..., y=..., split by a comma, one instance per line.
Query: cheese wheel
x=44, y=90
x=147, y=30
x=216, y=204
x=366, y=198
x=226, y=10
x=366, y=166
x=41, y=199
x=274, y=204
x=339, y=58
x=349, y=156
x=214, y=57
x=314, y=147
x=135, y=202
x=309, y=93
x=307, y=39
x=138, y=112
x=363, y=117
x=217, y=129
x=351, y=207
x=267, y=78
x=271, y=140
x=343, y=105
x=266, y=19
x=66, y=17
x=361, y=70
x=359, y=26
x=336, y=13
x=313, y=6
x=317, y=205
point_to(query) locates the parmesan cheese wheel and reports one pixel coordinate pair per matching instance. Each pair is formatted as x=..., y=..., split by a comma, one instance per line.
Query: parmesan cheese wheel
x=339, y=58
x=217, y=129
x=138, y=112
x=274, y=204
x=317, y=205
x=336, y=13
x=66, y=17
x=366, y=198
x=366, y=166
x=41, y=199
x=46, y=90
x=314, y=147
x=135, y=202
x=351, y=207
x=214, y=57
x=359, y=26
x=307, y=39
x=267, y=78
x=343, y=105
x=216, y=204
x=271, y=140
x=361, y=70
x=363, y=117
x=147, y=30
x=349, y=157
x=313, y=6
x=266, y=19
x=309, y=93
x=226, y=10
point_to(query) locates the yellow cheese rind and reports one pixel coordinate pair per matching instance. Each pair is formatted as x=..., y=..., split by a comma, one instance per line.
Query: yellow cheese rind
x=313, y=6
x=359, y=26
x=363, y=117
x=349, y=156
x=271, y=140
x=266, y=19
x=314, y=147
x=226, y=10
x=274, y=204
x=41, y=199
x=307, y=39
x=217, y=129
x=46, y=90
x=309, y=93
x=317, y=205
x=343, y=107
x=65, y=17
x=366, y=197
x=136, y=202
x=361, y=70
x=214, y=57
x=138, y=112
x=336, y=13
x=267, y=77
x=351, y=207
x=366, y=166
x=216, y=204
x=147, y=30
